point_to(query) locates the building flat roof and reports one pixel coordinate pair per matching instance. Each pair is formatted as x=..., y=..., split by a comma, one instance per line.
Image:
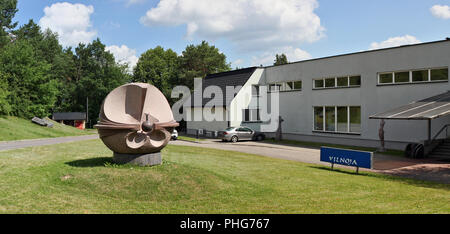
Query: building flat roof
x=430, y=108
x=362, y=52
x=69, y=116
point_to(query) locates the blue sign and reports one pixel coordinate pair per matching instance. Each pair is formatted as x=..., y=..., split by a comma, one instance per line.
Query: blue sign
x=353, y=158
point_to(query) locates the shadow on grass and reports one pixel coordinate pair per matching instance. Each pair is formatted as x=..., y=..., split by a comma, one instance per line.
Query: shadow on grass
x=109, y=163
x=341, y=171
x=92, y=162
x=405, y=180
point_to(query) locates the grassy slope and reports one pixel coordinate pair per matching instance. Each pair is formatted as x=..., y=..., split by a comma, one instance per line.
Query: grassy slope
x=13, y=128
x=69, y=178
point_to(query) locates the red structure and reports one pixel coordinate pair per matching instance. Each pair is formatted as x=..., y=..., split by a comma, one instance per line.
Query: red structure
x=76, y=119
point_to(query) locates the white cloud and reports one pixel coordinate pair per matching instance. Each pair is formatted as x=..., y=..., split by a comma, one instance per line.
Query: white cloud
x=395, y=41
x=249, y=24
x=441, y=11
x=237, y=63
x=132, y=2
x=124, y=55
x=71, y=22
x=292, y=54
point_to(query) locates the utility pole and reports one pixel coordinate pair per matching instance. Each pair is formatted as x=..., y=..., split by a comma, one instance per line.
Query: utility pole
x=87, y=111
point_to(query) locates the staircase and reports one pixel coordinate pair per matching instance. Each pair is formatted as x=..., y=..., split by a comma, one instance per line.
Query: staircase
x=442, y=151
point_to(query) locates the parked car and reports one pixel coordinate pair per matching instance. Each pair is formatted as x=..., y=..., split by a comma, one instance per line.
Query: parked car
x=174, y=135
x=235, y=134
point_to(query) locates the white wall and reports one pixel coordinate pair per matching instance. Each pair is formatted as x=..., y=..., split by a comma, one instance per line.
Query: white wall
x=243, y=99
x=297, y=107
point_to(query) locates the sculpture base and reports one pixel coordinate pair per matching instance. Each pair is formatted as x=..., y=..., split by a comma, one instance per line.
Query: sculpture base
x=152, y=159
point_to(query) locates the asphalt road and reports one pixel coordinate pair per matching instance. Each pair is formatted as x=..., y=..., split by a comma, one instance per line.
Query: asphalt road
x=10, y=145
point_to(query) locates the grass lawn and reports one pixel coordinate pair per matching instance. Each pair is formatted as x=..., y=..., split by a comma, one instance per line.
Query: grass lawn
x=318, y=145
x=81, y=178
x=13, y=128
x=187, y=138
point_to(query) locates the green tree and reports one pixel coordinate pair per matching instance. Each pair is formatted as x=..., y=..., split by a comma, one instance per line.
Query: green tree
x=280, y=60
x=199, y=61
x=45, y=43
x=95, y=74
x=32, y=91
x=62, y=67
x=8, y=9
x=158, y=67
x=5, y=108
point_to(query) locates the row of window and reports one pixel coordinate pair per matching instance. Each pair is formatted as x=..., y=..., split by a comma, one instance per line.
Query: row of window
x=399, y=77
x=338, y=119
x=285, y=86
x=337, y=82
x=413, y=76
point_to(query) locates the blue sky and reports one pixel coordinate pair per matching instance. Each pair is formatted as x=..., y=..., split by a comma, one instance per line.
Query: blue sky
x=249, y=32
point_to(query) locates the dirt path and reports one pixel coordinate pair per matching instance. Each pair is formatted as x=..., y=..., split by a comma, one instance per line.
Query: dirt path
x=423, y=169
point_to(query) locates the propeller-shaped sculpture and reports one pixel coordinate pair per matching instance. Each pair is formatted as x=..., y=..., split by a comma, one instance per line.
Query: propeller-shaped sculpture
x=136, y=119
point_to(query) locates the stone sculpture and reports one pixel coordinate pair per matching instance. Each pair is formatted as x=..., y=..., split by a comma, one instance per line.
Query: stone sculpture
x=136, y=123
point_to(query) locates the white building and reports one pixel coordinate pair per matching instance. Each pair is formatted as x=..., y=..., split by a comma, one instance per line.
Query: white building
x=331, y=99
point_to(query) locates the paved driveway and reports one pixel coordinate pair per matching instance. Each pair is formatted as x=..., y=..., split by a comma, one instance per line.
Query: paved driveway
x=424, y=169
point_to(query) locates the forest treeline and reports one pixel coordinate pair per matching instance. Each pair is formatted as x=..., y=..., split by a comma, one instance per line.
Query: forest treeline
x=38, y=76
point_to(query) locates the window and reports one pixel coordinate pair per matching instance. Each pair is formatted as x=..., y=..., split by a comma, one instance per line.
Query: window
x=246, y=115
x=254, y=115
x=286, y=86
x=355, y=80
x=274, y=87
x=318, y=118
x=337, y=119
x=318, y=84
x=413, y=76
x=330, y=116
x=342, y=81
x=255, y=90
x=439, y=74
x=337, y=82
x=401, y=77
x=330, y=83
x=297, y=85
x=251, y=115
x=244, y=130
x=420, y=76
x=355, y=119
x=342, y=119
x=386, y=78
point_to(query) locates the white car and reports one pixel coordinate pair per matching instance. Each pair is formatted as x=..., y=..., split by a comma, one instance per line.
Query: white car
x=174, y=134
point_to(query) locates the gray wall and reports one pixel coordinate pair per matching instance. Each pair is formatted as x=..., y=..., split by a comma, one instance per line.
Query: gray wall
x=297, y=107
